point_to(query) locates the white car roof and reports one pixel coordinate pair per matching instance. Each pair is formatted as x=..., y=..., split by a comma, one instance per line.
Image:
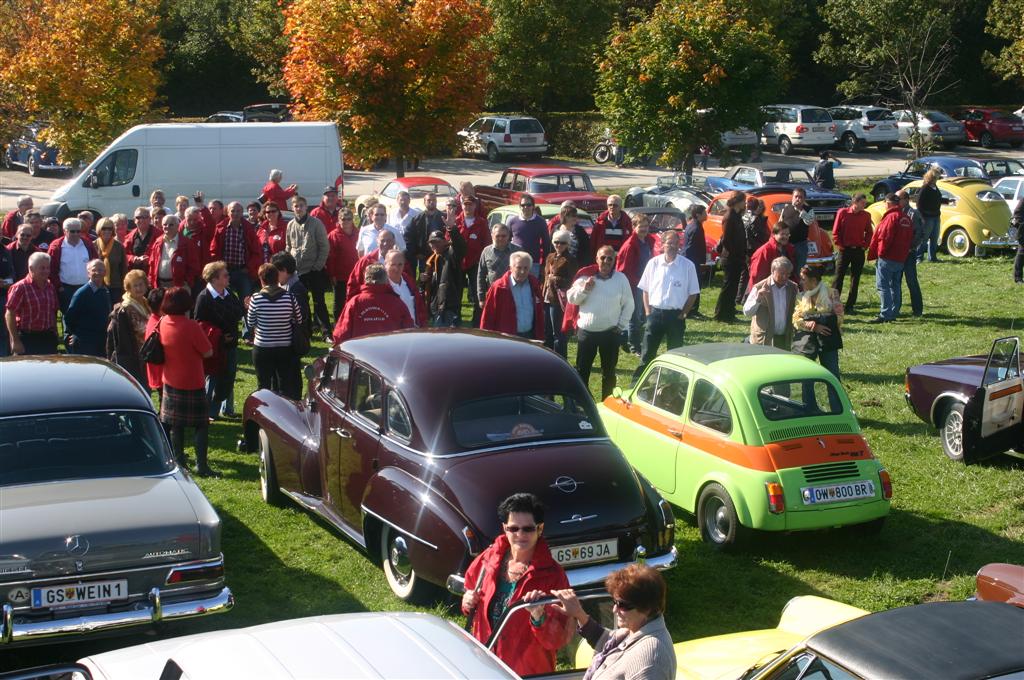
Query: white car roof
x=392, y=645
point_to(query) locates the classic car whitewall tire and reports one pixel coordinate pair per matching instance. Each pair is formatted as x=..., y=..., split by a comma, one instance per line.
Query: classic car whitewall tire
x=269, y=490
x=958, y=242
x=952, y=432
x=403, y=580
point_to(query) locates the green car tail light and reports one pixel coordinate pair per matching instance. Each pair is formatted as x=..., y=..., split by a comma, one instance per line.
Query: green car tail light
x=776, y=500
x=883, y=477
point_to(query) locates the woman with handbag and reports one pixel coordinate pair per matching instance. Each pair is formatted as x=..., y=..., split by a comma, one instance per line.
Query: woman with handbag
x=274, y=316
x=818, y=319
x=127, y=329
x=559, y=270
x=184, y=403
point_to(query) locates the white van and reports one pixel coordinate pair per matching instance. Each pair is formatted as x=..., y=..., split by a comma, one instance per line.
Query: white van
x=226, y=161
x=793, y=125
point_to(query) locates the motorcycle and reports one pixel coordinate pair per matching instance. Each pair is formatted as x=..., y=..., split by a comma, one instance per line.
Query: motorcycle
x=604, y=150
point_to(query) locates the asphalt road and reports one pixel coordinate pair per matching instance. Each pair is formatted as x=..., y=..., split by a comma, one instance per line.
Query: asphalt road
x=871, y=163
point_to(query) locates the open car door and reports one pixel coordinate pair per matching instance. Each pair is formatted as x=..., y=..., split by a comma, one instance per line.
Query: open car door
x=992, y=417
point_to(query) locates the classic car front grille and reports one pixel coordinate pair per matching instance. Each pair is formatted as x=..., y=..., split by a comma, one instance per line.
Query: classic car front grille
x=808, y=431
x=829, y=471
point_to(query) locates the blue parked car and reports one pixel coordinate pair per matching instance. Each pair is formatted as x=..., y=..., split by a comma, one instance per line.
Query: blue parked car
x=948, y=166
x=29, y=152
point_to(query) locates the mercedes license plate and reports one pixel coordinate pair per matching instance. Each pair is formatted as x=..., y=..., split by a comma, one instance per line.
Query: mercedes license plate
x=585, y=553
x=837, y=493
x=79, y=593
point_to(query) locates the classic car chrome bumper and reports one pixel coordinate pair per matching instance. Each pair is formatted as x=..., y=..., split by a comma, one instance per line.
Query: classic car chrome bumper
x=595, y=573
x=152, y=612
x=1008, y=241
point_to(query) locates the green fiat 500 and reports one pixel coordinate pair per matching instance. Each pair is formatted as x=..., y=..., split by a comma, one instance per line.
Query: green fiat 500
x=749, y=437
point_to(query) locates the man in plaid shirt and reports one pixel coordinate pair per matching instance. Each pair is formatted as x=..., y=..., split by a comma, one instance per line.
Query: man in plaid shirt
x=32, y=310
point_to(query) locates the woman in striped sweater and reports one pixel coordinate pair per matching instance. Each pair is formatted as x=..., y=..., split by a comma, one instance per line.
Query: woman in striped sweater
x=273, y=314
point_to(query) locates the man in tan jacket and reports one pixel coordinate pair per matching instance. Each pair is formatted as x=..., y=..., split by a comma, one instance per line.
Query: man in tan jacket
x=770, y=306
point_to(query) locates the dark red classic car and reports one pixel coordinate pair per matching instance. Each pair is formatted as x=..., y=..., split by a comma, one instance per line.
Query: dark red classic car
x=547, y=184
x=977, y=402
x=408, y=441
x=999, y=582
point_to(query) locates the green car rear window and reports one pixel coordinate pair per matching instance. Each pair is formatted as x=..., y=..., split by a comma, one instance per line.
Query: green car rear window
x=799, y=399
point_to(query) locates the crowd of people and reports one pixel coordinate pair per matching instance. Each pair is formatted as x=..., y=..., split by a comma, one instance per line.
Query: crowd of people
x=251, y=274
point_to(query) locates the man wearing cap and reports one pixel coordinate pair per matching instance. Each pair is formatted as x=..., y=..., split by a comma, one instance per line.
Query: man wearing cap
x=15, y=219
x=69, y=255
x=49, y=232
x=442, y=277
x=327, y=211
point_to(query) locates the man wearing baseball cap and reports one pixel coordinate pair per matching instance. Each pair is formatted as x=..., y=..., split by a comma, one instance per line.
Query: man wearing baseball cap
x=327, y=211
x=442, y=277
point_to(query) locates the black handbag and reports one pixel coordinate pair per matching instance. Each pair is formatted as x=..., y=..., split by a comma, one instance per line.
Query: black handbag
x=300, y=341
x=152, y=350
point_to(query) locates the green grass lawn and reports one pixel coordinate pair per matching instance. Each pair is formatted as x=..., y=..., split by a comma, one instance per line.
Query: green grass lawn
x=947, y=519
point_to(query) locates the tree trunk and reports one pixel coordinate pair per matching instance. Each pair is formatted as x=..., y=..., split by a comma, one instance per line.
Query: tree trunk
x=399, y=165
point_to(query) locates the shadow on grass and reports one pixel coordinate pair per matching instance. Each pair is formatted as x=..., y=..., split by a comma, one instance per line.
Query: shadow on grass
x=909, y=428
x=270, y=591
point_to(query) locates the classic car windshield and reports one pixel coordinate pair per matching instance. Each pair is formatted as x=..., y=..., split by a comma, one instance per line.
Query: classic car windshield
x=518, y=417
x=799, y=399
x=53, y=447
x=550, y=184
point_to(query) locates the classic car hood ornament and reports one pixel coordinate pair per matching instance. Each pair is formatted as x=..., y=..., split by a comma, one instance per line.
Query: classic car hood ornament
x=77, y=545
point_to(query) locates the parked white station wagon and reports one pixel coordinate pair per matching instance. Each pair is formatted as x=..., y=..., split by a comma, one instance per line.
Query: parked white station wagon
x=789, y=126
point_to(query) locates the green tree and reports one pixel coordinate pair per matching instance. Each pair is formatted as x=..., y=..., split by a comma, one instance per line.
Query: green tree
x=544, y=52
x=1005, y=21
x=900, y=53
x=687, y=73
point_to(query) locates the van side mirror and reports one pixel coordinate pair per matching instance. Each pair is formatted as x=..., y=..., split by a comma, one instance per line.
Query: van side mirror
x=93, y=181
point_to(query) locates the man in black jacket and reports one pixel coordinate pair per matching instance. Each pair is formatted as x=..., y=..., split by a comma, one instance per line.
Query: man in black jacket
x=219, y=307
x=416, y=247
x=929, y=204
x=442, y=277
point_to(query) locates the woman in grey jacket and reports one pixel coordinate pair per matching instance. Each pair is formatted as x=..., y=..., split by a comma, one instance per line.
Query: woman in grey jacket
x=640, y=648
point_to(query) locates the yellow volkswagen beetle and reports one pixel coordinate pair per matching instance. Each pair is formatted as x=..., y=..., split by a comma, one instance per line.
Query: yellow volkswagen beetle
x=974, y=216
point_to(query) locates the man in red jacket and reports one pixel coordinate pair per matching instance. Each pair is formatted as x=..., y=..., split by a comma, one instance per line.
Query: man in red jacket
x=632, y=258
x=890, y=246
x=174, y=258
x=612, y=227
x=273, y=192
x=342, y=257
x=376, y=309
x=236, y=243
x=851, y=234
x=778, y=246
x=327, y=211
x=514, y=304
x=357, y=277
x=477, y=235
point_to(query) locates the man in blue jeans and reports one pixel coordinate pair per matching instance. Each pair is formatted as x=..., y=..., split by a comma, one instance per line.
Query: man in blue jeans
x=910, y=265
x=890, y=246
x=670, y=286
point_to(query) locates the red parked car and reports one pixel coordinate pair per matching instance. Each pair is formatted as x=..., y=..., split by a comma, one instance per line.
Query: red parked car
x=991, y=126
x=406, y=443
x=547, y=184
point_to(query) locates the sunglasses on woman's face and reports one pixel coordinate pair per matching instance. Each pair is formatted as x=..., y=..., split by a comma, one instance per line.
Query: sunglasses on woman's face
x=623, y=605
x=513, y=529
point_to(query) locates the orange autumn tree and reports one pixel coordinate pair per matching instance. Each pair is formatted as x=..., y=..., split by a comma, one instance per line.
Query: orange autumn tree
x=398, y=76
x=88, y=67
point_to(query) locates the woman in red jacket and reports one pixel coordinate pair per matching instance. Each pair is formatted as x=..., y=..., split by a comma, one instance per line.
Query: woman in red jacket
x=272, y=231
x=518, y=566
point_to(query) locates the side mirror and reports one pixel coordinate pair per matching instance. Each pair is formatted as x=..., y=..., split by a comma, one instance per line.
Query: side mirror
x=456, y=585
x=617, y=393
x=93, y=181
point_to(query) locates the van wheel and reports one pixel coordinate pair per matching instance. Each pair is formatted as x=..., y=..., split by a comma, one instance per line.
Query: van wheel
x=952, y=432
x=850, y=143
x=492, y=153
x=403, y=580
x=269, y=489
x=958, y=242
x=785, y=146
x=716, y=517
x=33, y=166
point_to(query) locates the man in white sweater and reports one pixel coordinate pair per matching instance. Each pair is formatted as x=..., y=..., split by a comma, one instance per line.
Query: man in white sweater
x=605, y=302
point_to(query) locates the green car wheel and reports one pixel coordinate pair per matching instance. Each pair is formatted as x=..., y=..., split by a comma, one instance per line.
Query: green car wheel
x=716, y=516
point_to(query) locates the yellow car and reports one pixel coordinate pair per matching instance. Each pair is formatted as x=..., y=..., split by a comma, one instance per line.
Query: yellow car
x=728, y=656
x=974, y=216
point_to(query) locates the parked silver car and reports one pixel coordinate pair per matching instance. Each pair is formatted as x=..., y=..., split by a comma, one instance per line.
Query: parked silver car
x=100, y=530
x=497, y=136
x=860, y=126
x=935, y=126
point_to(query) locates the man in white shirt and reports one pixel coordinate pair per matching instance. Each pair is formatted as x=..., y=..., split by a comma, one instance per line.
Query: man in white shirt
x=670, y=287
x=401, y=216
x=394, y=263
x=69, y=256
x=366, y=242
x=605, y=303
x=770, y=304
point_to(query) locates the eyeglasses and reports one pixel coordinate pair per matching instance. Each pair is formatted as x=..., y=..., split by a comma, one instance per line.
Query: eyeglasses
x=74, y=231
x=623, y=605
x=513, y=529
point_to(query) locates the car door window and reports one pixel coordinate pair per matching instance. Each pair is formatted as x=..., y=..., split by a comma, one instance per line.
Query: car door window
x=367, y=396
x=821, y=668
x=1007, y=189
x=477, y=124
x=718, y=208
x=746, y=176
x=390, y=190
x=399, y=422
x=519, y=184
x=335, y=382
x=499, y=127
x=648, y=388
x=670, y=394
x=506, y=180
x=116, y=169
x=709, y=408
x=487, y=126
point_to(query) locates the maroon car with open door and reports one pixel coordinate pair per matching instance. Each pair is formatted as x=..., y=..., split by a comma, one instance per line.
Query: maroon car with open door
x=407, y=442
x=977, y=402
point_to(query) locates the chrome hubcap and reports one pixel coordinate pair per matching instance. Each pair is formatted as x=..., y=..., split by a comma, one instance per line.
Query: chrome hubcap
x=959, y=243
x=716, y=520
x=953, y=433
x=398, y=556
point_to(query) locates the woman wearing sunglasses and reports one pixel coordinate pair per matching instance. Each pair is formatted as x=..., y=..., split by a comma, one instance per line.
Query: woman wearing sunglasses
x=640, y=647
x=518, y=566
